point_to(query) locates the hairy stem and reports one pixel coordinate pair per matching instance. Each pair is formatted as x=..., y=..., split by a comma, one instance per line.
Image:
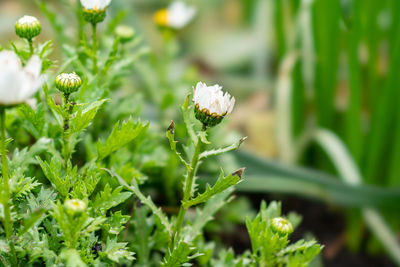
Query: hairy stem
x=188, y=188
x=8, y=225
x=94, y=48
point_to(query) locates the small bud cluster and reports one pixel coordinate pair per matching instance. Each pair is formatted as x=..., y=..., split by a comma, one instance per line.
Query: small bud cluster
x=68, y=83
x=28, y=27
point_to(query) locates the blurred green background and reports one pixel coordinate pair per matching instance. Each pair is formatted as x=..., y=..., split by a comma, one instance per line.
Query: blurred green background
x=316, y=83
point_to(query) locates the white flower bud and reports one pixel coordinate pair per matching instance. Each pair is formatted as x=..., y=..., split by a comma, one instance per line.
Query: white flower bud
x=18, y=83
x=211, y=104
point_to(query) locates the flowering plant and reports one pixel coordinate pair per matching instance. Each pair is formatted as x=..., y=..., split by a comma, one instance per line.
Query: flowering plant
x=76, y=191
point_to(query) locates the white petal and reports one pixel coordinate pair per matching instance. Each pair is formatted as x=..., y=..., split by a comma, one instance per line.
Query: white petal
x=180, y=14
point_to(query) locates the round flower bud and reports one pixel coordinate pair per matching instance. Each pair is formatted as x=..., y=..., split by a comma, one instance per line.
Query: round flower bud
x=125, y=33
x=68, y=83
x=75, y=206
x=94, y=11
x=281, y=226
x=28, y=27
x=211, y=104
x=94, y=16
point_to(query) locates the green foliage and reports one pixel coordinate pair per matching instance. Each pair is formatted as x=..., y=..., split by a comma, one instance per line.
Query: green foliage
x=109, y=198
x=86, y=183
x=119, y=137
x=270, y=248
x=222, y=184
x=180, y=255
x=82, y=118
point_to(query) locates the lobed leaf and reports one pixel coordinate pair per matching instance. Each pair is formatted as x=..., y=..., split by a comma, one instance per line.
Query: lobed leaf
x=83, y=117
x=119, y=137
x=223, y=183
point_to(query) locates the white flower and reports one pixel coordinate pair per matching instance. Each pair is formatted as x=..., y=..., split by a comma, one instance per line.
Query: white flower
x=212, y=100
x=18, y=83
x=95, y=4
x=75, y=205
x=177, y=16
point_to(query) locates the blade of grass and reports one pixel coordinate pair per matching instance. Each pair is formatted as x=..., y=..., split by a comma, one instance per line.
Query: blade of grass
x=353, y=134
x=348, y=170
x=326, y=32
x=382, y=119
x=264, y=175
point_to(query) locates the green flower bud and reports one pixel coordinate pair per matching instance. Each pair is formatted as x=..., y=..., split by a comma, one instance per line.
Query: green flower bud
x=28, y=27
x=75, y=206
x=94, y=16
x=281, y=226
x=125, y=33
x=68, y=83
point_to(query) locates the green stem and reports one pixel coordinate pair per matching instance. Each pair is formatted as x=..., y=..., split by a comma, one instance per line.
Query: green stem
x=4, y=168
x=30, y=46
x=188, y=188
x=66, y=133
x=94, y=48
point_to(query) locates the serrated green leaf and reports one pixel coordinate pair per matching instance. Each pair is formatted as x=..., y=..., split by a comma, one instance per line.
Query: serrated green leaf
x=171, y=138
x=72, y=258
x=84, y=116
x=180, y=255
x=53, y=173
x=108, y=198
x=116, y=251
x=31, y=220
x=21, y=186
x=115, y=223
x=223, y=183
x=219, y=151
x=34, y=120
x=185, y=109
x=119, y=137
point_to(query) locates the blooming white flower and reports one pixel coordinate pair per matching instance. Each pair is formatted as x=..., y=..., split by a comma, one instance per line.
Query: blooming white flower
x=18, y=83
x=211, y=103
x=177, y=16
x=75, y=206
x=95, y=4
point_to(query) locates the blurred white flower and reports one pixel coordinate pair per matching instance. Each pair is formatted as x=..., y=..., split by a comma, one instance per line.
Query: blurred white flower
x=95, y=4
x=18, y=83
x=177, y=16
